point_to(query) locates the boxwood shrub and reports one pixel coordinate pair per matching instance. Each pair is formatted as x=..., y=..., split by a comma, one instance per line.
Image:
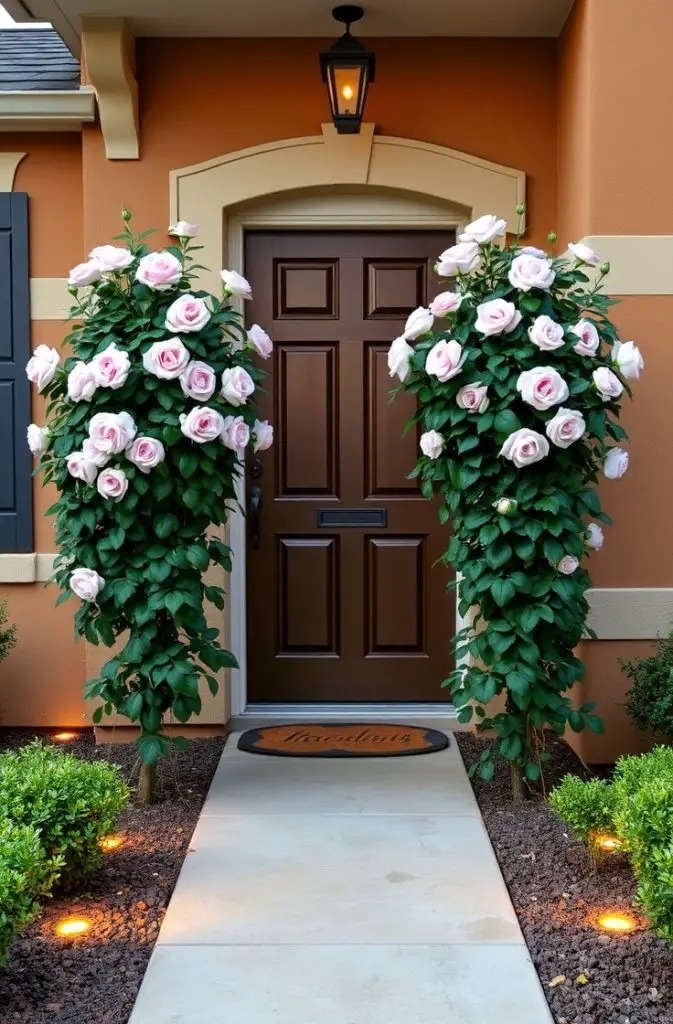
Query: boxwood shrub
x=72, y=803
x=637, y=806
x=27, y=873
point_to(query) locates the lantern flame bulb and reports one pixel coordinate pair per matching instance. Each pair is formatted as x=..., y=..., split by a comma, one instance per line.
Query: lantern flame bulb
x=110, y=842
x=347, y=92
x=609, y=843
x=65, y=737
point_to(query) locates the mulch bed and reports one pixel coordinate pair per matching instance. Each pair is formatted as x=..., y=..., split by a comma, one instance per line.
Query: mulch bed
x=558, y=898
x=96, y=978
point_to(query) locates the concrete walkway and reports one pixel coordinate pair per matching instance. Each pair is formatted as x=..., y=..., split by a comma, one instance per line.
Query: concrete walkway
x=340, y=892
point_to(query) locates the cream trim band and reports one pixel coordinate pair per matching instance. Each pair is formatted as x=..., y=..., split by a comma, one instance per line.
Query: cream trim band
x=49, y=298
x=639, y=264
x=8, y=165
x=28, y=568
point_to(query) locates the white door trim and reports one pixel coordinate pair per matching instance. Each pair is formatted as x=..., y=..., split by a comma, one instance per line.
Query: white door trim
x=302, y=212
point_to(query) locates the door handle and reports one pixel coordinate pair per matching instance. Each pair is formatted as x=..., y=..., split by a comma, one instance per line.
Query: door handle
x=255, y=515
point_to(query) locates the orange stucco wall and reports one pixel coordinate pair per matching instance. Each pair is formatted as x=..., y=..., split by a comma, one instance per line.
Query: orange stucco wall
x=202, y=98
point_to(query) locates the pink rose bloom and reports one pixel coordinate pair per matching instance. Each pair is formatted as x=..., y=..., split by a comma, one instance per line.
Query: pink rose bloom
x=91, y=453
x=111, y=367
x=198, y=381
x=445, y=360
x=187, y=314
x=589, y=340
x=584, y=254
x=202, y=424
x=607, y=384
x=497, y=317
x=524, y=447
x=542, y=387
x=42, y=366
x=445, y=303
x=235, y=284
x=458, y=259
x=594, y=536
x=166, y=359
x=146, y=453
x=566, y=427
x=110, y=433
x=81, y=468
x=616, y=463
x=84, y=274
x=262, y=434
x=237, y=386
x=260, y=341
x=432, y=444
x=112, y=484
x=111, y=258
x=160, y=271
x=546, y=334
x=82, y=382
x=86, y=584
x=527, y=272
x=183, y=229
x=235, y=433
x=473, y=397
x=568, y=565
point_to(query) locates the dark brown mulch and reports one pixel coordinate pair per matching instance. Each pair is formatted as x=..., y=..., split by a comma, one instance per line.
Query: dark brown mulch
x=558, y=899
x=95, y=979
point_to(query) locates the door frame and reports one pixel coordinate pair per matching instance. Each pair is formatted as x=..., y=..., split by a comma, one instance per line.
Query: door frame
x=335, y=211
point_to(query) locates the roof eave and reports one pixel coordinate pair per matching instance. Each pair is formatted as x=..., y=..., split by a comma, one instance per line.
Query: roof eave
x=47, y=109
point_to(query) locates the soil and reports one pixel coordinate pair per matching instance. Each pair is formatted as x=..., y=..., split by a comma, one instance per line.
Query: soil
x=605, y=979
x=94, y=979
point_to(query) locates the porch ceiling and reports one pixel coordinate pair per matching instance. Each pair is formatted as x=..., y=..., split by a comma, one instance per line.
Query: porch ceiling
x=266, y=18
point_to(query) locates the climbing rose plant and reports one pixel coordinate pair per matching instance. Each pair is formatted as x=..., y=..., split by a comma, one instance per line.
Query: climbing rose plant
x=147, y=422
x=518, y=375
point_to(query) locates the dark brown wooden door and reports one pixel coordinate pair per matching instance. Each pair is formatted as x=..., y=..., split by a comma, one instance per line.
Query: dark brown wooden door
x=342, y=612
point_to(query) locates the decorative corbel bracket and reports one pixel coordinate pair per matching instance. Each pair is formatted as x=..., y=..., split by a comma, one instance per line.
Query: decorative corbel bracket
x=109, y=64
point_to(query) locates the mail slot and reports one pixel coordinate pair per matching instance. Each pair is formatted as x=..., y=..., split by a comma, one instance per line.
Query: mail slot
x=352, y=517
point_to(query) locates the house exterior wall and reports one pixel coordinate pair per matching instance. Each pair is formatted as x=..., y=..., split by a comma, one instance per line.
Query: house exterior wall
x=614, y=180
x=556, y=109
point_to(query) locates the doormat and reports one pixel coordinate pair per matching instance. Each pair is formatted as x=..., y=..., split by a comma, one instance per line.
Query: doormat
x=359, y=740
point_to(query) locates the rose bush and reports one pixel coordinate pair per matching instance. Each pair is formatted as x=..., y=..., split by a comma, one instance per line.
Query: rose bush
x=518, y=388
x=147, y=420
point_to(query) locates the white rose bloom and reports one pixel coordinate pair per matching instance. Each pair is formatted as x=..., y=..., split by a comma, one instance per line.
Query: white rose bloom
x=594, y=536
x=616, y=463
x=546, y=334
x=607, y=384
x=399, y=354
x=584, y=254
x=418, y=323
x=627, y=358
x=588, y=341
x=38, y=439
x=568, y=565
x=542, y=387
x=524, y=447
x=566, y=427
x=432, y=444
x=527, y=272
x=458, y=259
x=483, y=230
x=86, y=584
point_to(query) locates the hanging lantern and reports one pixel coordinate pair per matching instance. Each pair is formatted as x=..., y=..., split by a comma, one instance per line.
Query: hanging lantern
x=347, y=69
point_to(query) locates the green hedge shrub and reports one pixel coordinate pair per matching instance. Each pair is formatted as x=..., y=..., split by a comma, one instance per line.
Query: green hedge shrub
x=649, y=702
x=27, y=874
x=588, y=807
x=637, y=806
x=7, y=633
x=72, y=803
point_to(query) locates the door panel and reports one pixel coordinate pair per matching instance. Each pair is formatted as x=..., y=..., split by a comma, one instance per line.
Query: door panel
x=335, y=612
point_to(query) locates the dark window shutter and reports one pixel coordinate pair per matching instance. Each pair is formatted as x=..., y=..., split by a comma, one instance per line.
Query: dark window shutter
x=16, y=501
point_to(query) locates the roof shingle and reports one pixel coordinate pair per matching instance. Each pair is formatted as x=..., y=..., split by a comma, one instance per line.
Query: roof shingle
x=36, y=58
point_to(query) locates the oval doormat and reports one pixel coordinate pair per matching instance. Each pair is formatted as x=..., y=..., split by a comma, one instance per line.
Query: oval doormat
x=360, y=740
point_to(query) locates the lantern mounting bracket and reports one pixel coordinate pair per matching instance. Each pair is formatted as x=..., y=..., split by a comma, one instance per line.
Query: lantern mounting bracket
x=347, y=14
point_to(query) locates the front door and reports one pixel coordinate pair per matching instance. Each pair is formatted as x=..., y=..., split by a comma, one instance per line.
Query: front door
x=343, y=600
